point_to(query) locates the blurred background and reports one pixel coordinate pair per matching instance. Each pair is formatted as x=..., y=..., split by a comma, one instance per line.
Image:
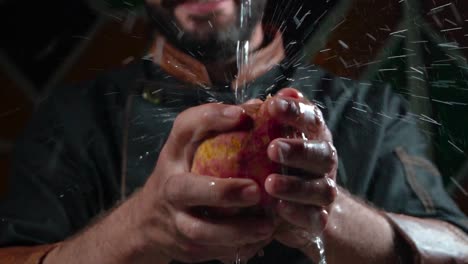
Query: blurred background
x=420, y=46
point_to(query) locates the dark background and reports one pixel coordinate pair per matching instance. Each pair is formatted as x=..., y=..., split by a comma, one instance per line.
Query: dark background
x=420, y=46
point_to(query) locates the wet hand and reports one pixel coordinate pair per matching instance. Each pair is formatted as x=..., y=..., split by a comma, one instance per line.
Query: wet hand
x=309, y=189
x=169, y=217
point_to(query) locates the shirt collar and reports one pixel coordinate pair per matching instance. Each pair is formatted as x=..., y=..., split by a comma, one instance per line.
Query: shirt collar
x=187, y=69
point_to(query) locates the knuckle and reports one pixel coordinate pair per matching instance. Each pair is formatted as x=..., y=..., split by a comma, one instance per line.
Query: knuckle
x=288, y=185
x=318, y=116
x=312, y=187
x=319, y=218
x=330, y=192
x=286, y=107
x=172, y=189
x=208, y=115
x=312, y=115
x=227, y=192
x=330, y=159
x=223, y=195
x=307, y=150
x=329, y=164
x=205, y=114
x=216, y=191
x=323, y=219
x=295, y=108
x=323, y=190
x=178, y=132
x=192, y=231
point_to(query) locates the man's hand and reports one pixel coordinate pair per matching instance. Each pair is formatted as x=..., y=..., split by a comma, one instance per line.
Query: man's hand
x=309, y=202
x=162, y=222
x=304, y=198
x=167, y=214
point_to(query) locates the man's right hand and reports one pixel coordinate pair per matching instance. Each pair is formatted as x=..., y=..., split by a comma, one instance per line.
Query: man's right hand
x=158, y=224
x=165, y=209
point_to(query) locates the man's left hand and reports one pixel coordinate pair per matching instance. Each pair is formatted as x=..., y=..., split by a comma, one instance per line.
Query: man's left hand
x=304, y=198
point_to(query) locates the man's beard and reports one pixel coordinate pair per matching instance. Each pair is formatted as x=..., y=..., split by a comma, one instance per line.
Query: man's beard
x=218, y=45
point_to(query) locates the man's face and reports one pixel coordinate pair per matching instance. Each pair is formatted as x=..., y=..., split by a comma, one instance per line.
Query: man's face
x=208, y=29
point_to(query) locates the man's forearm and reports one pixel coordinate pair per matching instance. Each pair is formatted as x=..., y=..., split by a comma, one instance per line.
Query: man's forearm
x=109, y=240
x=357, y=233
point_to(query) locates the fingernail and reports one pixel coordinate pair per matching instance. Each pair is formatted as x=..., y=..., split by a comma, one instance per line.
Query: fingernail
x=233, y=111
x=284, y=149
x=251, y=193
x=283, y=105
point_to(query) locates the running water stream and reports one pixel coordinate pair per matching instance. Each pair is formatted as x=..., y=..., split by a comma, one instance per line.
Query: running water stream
x=238, y=259
x=243, y=50
x=321, y=248
x=243, y=47
x=242, y=54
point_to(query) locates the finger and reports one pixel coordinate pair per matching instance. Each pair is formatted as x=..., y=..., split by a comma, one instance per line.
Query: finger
x=297, y=113
x=318, y=192
x=234, y=231
x=196, y=190
x=244, y=253
x=316, y=157
x=191, y=252
x=311, y=218
x=300, y=239
x=199, y=122
x=291, y=92
x=253, y=101
x=293, y=236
